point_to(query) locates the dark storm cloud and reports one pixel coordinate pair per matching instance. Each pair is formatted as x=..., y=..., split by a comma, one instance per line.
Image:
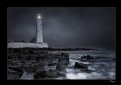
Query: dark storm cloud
x=65, y=26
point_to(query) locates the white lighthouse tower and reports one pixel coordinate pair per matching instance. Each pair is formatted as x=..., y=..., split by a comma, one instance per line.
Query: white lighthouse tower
x=39, y=35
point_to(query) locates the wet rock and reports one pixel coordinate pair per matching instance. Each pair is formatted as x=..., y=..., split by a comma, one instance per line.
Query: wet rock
x=41, y=57
x=66, y=56
x=30, y=68
x=52, y=73
x=23, y=61
x=80, y=65
x=14, y=72
x=20, y=57
x=38, y=58
x=10, y=56
x=60, y=67
x=41, y=63
x=58, y=53
x=88, y=57
x=16, y=68
x=30, y=51
x=40, y=73
x=63, y=58
x=34, y=62
x=13, y=75
x=53, y=62
x=29, y=57
x=63, y=61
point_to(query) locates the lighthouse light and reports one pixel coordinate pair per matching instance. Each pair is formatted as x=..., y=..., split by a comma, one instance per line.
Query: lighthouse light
x=39, y=16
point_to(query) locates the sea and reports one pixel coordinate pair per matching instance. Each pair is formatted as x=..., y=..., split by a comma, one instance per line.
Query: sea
x=102, y=67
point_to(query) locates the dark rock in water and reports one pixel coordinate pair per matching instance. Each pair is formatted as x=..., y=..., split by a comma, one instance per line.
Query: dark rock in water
x=40, y=63
x=30, y=51
x=88, y=57
x=80, y=65
x=66, y=55
x=10, y=56
x=52, y=73
x=38, y=58
x=30, y=68
x=16, y=68
x=15, y=72
x=63, y=58
x=63, y=61
x=41, y=57
x=28, y=57
x=60, y=67
x=23, y=61
x=12, y=71
x=14, y=75
x=40, y=73
x=20, y=57
x=53, y=62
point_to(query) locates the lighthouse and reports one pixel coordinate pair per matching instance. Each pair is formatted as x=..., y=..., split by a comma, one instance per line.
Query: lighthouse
x=39, y=38
x=39, y=35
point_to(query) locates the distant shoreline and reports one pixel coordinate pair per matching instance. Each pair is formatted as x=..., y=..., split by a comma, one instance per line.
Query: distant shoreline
x=55, y=49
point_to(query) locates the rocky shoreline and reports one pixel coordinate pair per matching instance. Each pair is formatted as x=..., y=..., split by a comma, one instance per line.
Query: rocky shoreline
x=44, y=64
x=38, y=62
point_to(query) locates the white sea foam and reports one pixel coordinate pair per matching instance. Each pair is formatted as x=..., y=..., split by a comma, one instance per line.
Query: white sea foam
x=76, y=76
x=27, y=76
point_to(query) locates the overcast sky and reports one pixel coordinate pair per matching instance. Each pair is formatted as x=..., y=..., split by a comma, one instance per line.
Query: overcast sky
x=93, y=27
